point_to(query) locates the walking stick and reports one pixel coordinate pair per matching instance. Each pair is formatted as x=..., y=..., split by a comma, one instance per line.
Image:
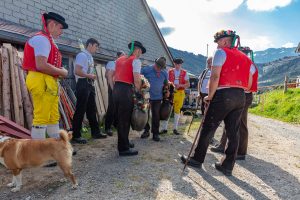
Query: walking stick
x=196, y=138
x=197, y=105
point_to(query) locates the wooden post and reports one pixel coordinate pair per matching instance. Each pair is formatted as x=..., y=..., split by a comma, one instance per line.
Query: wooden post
x=285, y=84
x=6, y=84
x=1, y=78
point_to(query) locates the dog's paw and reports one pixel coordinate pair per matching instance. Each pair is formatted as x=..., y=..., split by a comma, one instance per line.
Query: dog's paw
x=11, y=185
x=74, y=187
x=16, y=189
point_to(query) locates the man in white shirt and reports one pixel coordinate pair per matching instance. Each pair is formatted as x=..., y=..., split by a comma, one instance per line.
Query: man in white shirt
x=109, y=74
x=203, y=83
x=85, y=93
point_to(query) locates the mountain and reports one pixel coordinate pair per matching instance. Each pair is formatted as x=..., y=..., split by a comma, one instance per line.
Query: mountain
x=273, y=64
x=272, y=73
x=192, y=63
x=273, y=54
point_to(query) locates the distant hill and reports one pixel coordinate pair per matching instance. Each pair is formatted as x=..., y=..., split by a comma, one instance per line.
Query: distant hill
x=273, y=64
x=192, y=63
x=273, y=54
x=273, y=72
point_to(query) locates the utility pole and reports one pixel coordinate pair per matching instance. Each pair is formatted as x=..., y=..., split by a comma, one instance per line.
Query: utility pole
x=206, y=50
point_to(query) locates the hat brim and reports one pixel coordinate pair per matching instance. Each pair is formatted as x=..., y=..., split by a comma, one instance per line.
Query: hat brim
x=136, y=45
x=63, y=23
x=178, y=61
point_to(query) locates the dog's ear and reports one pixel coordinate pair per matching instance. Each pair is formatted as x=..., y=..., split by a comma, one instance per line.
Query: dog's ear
x=70, y=135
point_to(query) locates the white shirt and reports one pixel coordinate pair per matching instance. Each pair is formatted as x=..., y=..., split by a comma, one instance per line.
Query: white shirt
x=136, y=66
x=111, y=65
x=177, y=73
x=204, y=85
x=85, y=60
x=41, y=45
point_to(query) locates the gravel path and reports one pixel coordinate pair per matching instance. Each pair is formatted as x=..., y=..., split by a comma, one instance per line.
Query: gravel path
x=271, y=170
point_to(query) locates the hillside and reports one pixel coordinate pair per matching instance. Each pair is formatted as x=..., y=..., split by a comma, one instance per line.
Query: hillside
x=284, y=107
x=193, y=63
x=273, y=54
x=273, y=72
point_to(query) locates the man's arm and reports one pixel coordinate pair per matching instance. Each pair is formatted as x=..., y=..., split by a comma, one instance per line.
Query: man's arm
x=43, y=66
x=110, y=78
x=213, y=82
x=137, y=80
x=79, y=72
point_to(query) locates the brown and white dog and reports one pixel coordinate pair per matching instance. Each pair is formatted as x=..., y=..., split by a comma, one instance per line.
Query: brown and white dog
x=18, y=154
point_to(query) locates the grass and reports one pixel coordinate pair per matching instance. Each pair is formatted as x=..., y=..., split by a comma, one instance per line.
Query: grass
x=277, y=105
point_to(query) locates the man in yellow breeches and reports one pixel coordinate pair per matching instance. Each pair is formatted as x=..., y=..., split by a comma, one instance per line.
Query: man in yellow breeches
x=42, y=60
x=180, y=79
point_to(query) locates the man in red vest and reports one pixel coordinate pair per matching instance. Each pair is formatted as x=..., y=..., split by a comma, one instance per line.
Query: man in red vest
x=243, y=141
x=226, y=98
x=180, y=79
x=42, y=60
x=127, y=81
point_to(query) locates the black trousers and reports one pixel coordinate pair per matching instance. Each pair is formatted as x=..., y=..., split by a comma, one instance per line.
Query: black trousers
x=227, y=104
x=85, y=94
x=243, y=142
x=155, y=107
x=123, y=103
x=109, y=119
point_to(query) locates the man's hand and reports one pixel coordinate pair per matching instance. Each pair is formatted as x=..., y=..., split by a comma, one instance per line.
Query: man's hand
x=63, y=73
x=92, y=76
x=207, y=99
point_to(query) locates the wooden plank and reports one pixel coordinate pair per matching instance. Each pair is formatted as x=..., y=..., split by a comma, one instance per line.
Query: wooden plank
x=15, y=66
x=12, y=125
x=1, y=78
x=105, y=94
x=101, y=86
x=15, y=111
x=6, y=84
x=100, y=107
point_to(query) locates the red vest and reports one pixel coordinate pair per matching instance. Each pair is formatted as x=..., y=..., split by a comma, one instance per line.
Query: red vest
x=254, y=80
x=54, y=57
x=235, y=71
x=124, y=69
x=181, y=77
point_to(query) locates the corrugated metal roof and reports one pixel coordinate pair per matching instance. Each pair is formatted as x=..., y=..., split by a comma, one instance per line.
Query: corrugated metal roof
x=17, y=33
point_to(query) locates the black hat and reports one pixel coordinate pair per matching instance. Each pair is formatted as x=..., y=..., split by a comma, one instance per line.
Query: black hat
x=161, y=62
x=56, y=17
x=120, y=53
x=138, y=44
x=178, y=60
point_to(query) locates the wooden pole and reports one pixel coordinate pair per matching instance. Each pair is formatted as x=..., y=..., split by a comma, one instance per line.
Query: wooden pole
x=18, y=89
x=1, y=78
x=6, y=84
x=16, y=111
x=285, y=84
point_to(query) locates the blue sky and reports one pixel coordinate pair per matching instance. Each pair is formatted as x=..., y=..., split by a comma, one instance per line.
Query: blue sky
x=190, y=25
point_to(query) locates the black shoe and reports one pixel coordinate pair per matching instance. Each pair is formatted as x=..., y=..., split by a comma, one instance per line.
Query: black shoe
x=131, y=145
x=192, y=162
x=79, y=140
x=74, y=152
x=109, y=132
x=51, y=164
x=240, y=157
x=156, y=138
x=176, y=132
x=219, y=167
x=145, y=134
x=99, y=136
x=217, y=149
x=163, y=132
x=129, y=152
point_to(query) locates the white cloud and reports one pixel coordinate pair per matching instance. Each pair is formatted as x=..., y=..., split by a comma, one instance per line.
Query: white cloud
x=288, y=45
x=266, y=5
x=258, y=43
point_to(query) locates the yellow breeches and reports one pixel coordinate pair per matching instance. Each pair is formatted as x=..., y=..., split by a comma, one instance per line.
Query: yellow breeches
x=178, y=100
x=44, y=92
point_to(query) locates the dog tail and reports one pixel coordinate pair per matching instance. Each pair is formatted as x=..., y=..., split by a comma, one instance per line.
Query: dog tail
x=65, y=136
